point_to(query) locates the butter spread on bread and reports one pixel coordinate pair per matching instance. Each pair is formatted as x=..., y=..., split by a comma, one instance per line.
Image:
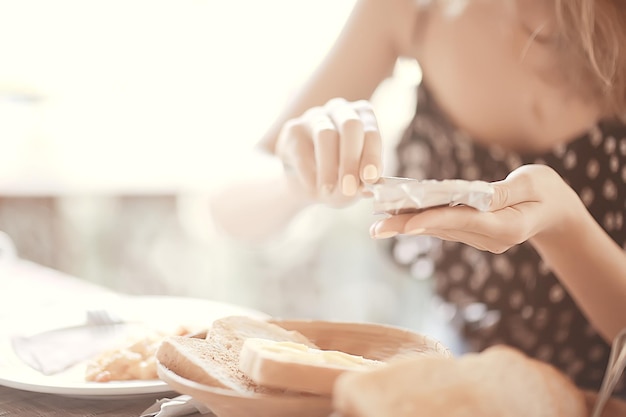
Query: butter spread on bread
x=298, y=352
x=295, y=366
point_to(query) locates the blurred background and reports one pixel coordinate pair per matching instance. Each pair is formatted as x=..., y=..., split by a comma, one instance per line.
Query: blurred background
x=119, y=121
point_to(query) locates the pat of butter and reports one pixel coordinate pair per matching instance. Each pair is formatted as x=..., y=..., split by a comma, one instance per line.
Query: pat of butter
x=297, y=352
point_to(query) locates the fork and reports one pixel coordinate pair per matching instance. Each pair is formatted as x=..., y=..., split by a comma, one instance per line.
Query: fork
x=614, y=369
x=101, y=317
x=56, y=350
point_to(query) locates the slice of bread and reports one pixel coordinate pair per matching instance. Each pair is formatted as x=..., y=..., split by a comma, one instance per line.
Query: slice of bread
x=214, y=361
x=295, y=366
x=198, y=360
x=498, y=382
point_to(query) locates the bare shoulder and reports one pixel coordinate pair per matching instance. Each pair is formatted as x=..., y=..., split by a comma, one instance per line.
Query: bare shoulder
x=401, y=20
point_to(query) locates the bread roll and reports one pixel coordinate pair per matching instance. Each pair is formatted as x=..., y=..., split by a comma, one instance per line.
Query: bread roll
x=499, y=382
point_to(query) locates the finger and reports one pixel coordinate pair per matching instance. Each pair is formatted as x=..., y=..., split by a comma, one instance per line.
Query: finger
x=510, y=225
x=390, y=226
x=298, y=155
x=396, y=225
x=476, y=240
x=448, y=218
x=516, y=188
x=441, y=218
x=350, y=128
x=371, y=155
x=326, y=144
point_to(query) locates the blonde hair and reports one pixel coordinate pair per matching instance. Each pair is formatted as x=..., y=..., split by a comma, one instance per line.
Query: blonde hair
x=593, y=34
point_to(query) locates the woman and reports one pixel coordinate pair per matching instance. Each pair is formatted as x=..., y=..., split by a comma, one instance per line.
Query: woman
x=530, y=90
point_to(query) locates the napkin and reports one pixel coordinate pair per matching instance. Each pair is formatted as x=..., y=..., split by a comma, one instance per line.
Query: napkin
x=182, y=405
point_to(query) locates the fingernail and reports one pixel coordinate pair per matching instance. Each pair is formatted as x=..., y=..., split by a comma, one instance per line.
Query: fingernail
x=418, y=231
x=348, y=185
x=370, y=172
x=384, y=235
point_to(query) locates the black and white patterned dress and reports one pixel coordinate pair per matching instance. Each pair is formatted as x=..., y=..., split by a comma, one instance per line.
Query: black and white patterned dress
x=514, y=298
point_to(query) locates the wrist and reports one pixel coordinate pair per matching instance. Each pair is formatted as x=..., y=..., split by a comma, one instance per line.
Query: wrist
x=567, y=224
x=298, y=196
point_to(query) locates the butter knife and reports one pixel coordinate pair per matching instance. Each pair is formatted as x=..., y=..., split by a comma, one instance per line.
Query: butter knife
x=54, y=351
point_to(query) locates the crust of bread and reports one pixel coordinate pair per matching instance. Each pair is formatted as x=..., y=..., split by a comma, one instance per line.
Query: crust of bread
x=191, y=358
x=214, y=361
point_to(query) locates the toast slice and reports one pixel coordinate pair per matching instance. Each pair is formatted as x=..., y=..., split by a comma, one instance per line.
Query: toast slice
x=279, y=364
x=214, y=361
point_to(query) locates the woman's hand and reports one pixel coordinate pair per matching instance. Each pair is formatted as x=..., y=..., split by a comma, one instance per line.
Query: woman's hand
x=533, y=200
x=330, y=151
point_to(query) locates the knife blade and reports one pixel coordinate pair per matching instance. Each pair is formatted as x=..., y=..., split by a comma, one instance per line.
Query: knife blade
x=54, y=351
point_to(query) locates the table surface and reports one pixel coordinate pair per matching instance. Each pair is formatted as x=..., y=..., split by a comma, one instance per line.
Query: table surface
x=15, y=402
x=24, y=284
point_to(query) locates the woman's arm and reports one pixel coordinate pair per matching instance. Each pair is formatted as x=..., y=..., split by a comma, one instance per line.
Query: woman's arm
x=375, y=35
x=593, y=269
x=534, y=203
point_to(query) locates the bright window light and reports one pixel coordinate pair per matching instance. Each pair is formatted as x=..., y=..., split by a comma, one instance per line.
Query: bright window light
x=136, y=95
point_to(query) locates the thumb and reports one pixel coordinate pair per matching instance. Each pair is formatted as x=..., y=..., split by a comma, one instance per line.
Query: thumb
x=516, y=188
x=501, y=196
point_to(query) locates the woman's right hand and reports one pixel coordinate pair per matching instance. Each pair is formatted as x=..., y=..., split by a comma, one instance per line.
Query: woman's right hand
x=331, y=150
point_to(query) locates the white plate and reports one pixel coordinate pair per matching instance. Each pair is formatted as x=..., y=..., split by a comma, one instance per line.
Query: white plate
x=159, y=312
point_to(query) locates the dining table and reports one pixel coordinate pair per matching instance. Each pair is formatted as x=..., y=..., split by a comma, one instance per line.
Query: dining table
x=15, y=402
x=26, y=287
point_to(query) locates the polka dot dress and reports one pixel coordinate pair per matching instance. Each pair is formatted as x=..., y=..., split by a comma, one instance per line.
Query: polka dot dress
x=514, y=298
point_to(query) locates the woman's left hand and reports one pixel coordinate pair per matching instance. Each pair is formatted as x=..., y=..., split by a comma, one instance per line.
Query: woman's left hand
x=532, y=200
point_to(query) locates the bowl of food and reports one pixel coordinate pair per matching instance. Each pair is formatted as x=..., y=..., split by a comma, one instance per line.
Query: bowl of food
x=245, y=366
